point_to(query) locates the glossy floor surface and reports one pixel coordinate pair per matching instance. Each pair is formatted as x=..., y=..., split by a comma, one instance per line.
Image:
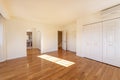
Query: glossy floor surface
x=33, y=67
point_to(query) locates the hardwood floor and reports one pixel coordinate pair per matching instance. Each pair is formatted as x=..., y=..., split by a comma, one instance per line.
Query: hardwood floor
x=35, y=68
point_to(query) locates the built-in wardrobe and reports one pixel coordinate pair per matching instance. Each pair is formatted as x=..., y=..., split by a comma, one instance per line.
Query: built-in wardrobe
x=101, y=41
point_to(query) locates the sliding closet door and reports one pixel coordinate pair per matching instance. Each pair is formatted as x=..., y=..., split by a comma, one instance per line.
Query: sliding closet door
x=92, y=41
x=111, y=42
x=85, y=48
x=117, y=41
x=96, y=41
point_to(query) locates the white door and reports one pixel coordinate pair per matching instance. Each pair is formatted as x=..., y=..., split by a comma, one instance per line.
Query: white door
x=38, y=40
x=34, y=41
x=109, y=41
x=85, y=42
x=92, y=41
x=117, y=38
x=96, y=41
x=64, y=40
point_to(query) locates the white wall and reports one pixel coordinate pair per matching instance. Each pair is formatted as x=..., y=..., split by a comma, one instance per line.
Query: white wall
x=16, y=37
x=71, y=36
x=49, y=39
x=79, y=38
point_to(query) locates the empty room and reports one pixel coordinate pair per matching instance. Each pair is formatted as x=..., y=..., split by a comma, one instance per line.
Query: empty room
x=59, y=39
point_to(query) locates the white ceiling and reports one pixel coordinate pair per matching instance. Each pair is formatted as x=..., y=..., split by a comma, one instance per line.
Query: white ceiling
x=54, y=11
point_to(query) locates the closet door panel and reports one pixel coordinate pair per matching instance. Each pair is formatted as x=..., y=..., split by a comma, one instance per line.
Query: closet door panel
x=109, y=42
x=117, y=40
x=85, y=41
x=92, y=41
x=96, y=41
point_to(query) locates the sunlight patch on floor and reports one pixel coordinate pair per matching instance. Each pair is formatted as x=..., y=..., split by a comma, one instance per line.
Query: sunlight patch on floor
x=56, y=60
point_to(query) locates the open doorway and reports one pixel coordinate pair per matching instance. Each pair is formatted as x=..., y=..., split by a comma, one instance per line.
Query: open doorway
x=60, y=35
x=29, y=40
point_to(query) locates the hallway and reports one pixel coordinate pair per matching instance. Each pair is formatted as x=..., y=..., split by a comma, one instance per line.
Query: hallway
x=34, y=68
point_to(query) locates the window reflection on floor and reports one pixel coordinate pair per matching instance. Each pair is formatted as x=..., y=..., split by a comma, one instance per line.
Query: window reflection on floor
x=56, y=60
